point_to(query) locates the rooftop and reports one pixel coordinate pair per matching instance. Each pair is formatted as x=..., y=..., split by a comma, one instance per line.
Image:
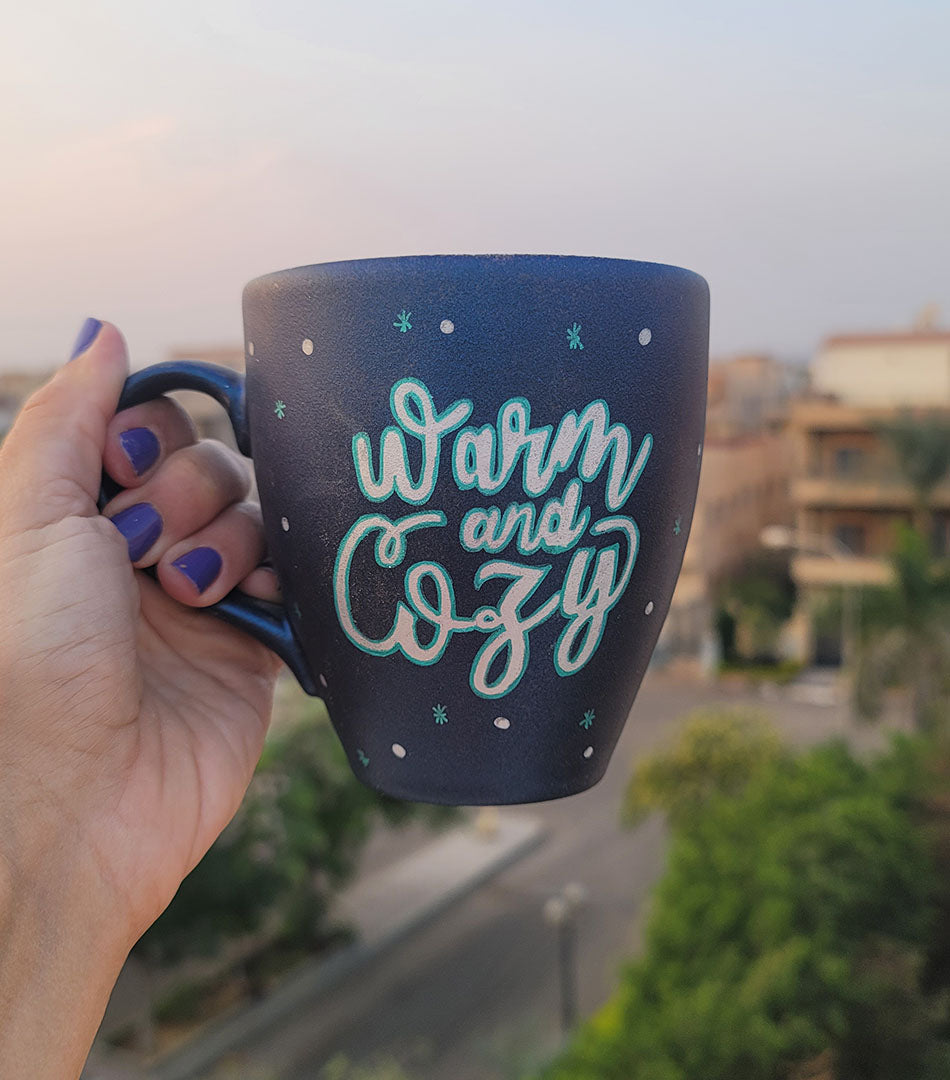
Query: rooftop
x=900, y=337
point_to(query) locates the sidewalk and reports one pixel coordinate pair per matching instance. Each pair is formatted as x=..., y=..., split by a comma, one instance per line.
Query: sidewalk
x=383, y=908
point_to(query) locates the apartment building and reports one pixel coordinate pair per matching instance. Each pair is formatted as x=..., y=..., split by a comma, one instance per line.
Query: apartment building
x=744, y=485
x=848, y=492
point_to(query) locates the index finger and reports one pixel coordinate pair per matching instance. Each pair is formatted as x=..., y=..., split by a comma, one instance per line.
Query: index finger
x=140, y=438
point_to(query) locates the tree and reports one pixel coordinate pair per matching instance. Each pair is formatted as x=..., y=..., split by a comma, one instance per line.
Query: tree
x=753, y=606
x=340, y=1068
x=921, y=444
x=787, y=936
x=717, y=751
x=905, y=635
x=294, y=842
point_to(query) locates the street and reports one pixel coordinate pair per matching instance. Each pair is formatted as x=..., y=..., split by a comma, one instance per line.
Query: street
x=474, y=996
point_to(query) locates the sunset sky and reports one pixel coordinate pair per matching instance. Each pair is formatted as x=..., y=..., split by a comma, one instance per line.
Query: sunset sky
x=157, y=156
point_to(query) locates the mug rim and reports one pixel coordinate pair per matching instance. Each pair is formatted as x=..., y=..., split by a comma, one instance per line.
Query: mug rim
x=344, y=267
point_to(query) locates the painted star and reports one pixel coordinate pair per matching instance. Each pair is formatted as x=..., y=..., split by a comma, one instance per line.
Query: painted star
x=402, y=322
x=440, y=714
x=677, y=528
x=364, y=760
x=279, y=409
x=588, y=720
x=574, y=337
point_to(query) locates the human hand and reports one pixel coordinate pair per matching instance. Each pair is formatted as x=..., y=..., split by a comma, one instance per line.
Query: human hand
x=130, y=723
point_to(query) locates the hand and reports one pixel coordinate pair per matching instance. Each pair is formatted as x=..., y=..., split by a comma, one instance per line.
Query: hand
x=130, y=723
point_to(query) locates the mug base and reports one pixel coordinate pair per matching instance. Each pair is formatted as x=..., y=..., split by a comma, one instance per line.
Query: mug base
x=482, y=795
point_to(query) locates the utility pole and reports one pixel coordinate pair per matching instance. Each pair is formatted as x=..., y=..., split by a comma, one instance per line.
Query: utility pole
x=560, y=911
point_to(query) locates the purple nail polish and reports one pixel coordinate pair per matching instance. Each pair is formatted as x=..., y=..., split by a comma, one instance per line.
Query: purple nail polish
x=141, y=525
x=141, y=448
x=201, y=566
x=87, y=335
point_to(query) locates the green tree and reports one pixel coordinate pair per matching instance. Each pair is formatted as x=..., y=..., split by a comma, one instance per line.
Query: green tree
x=322, y=817
x=340, y=1068
x=753, y=606
x=295, y=841
x=921, y=444
x=905, y=635
x=787, y=936
x=717, y=751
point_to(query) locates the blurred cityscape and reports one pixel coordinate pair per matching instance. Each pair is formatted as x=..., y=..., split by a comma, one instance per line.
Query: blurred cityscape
x=378, y=941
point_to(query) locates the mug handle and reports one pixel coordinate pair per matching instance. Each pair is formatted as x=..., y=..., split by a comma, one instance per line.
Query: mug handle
x=268, y=623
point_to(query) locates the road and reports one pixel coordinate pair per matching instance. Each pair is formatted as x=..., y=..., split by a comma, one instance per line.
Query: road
x=474, y=995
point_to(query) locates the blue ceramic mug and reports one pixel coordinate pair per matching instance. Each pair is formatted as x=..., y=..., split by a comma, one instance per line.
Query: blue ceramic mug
x=477, y=476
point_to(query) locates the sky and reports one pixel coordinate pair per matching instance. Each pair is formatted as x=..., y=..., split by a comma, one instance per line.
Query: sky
x=158, y=156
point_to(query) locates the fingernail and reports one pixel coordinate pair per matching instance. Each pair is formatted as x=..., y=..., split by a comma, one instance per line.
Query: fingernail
x=201, y=566
x=141, y=448
x=87, y=335
x=141, y=525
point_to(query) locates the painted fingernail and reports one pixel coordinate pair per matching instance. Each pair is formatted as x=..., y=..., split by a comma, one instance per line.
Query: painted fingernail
x=141, y=448
x=141, y=525
x=201, y=566
x=87, y=335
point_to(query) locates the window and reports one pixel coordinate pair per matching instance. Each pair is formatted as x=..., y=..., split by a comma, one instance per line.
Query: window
x=851, y=537
x=849, y=461
x=940, y=543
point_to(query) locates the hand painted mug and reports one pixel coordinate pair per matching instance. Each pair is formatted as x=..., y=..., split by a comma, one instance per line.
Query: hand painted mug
x=477, y=475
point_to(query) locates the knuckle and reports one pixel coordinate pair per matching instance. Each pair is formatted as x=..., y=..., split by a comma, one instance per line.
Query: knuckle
x=39, y=401
x=173, y=416
x=250, y=514
x=211, y=469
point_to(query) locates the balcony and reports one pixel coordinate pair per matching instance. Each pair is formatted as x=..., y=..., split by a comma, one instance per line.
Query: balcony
x=869, y=488
x=817, y=414
x=821, y=571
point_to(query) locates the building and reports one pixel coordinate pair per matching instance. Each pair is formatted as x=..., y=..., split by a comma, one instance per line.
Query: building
x=746, y=394
x=848, y=492
x=744, y=485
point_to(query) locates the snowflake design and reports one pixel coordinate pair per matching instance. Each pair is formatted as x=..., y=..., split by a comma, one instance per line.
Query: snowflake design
x=574, y=337
x=402, y=322
x=588, y=721
x=677, y=528
x=440, y=714
x=279, y=409
x=364, y=760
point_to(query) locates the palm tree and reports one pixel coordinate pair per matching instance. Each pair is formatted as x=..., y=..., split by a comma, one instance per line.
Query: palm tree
x=905, y=636
x=922, y=447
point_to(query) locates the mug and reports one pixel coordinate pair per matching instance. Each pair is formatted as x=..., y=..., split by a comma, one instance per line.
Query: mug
x=477, y=476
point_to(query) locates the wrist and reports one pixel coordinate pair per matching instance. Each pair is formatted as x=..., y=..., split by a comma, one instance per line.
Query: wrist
x=61, y=951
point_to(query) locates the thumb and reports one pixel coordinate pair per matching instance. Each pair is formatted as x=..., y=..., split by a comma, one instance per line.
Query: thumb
x=51, y=461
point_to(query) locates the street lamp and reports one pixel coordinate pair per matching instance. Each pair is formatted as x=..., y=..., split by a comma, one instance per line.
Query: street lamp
x=779, y=537
x=560, y=911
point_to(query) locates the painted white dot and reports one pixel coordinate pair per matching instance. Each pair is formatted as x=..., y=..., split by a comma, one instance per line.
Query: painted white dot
x=399, y=750
x=446, y=326
x=699, y=450
x=307, y=346
x=250, y=348
x=323, y=681
x=285, y=524
x=648, y=609
x=589, y=752
x=502, y=723
x=645, y=336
